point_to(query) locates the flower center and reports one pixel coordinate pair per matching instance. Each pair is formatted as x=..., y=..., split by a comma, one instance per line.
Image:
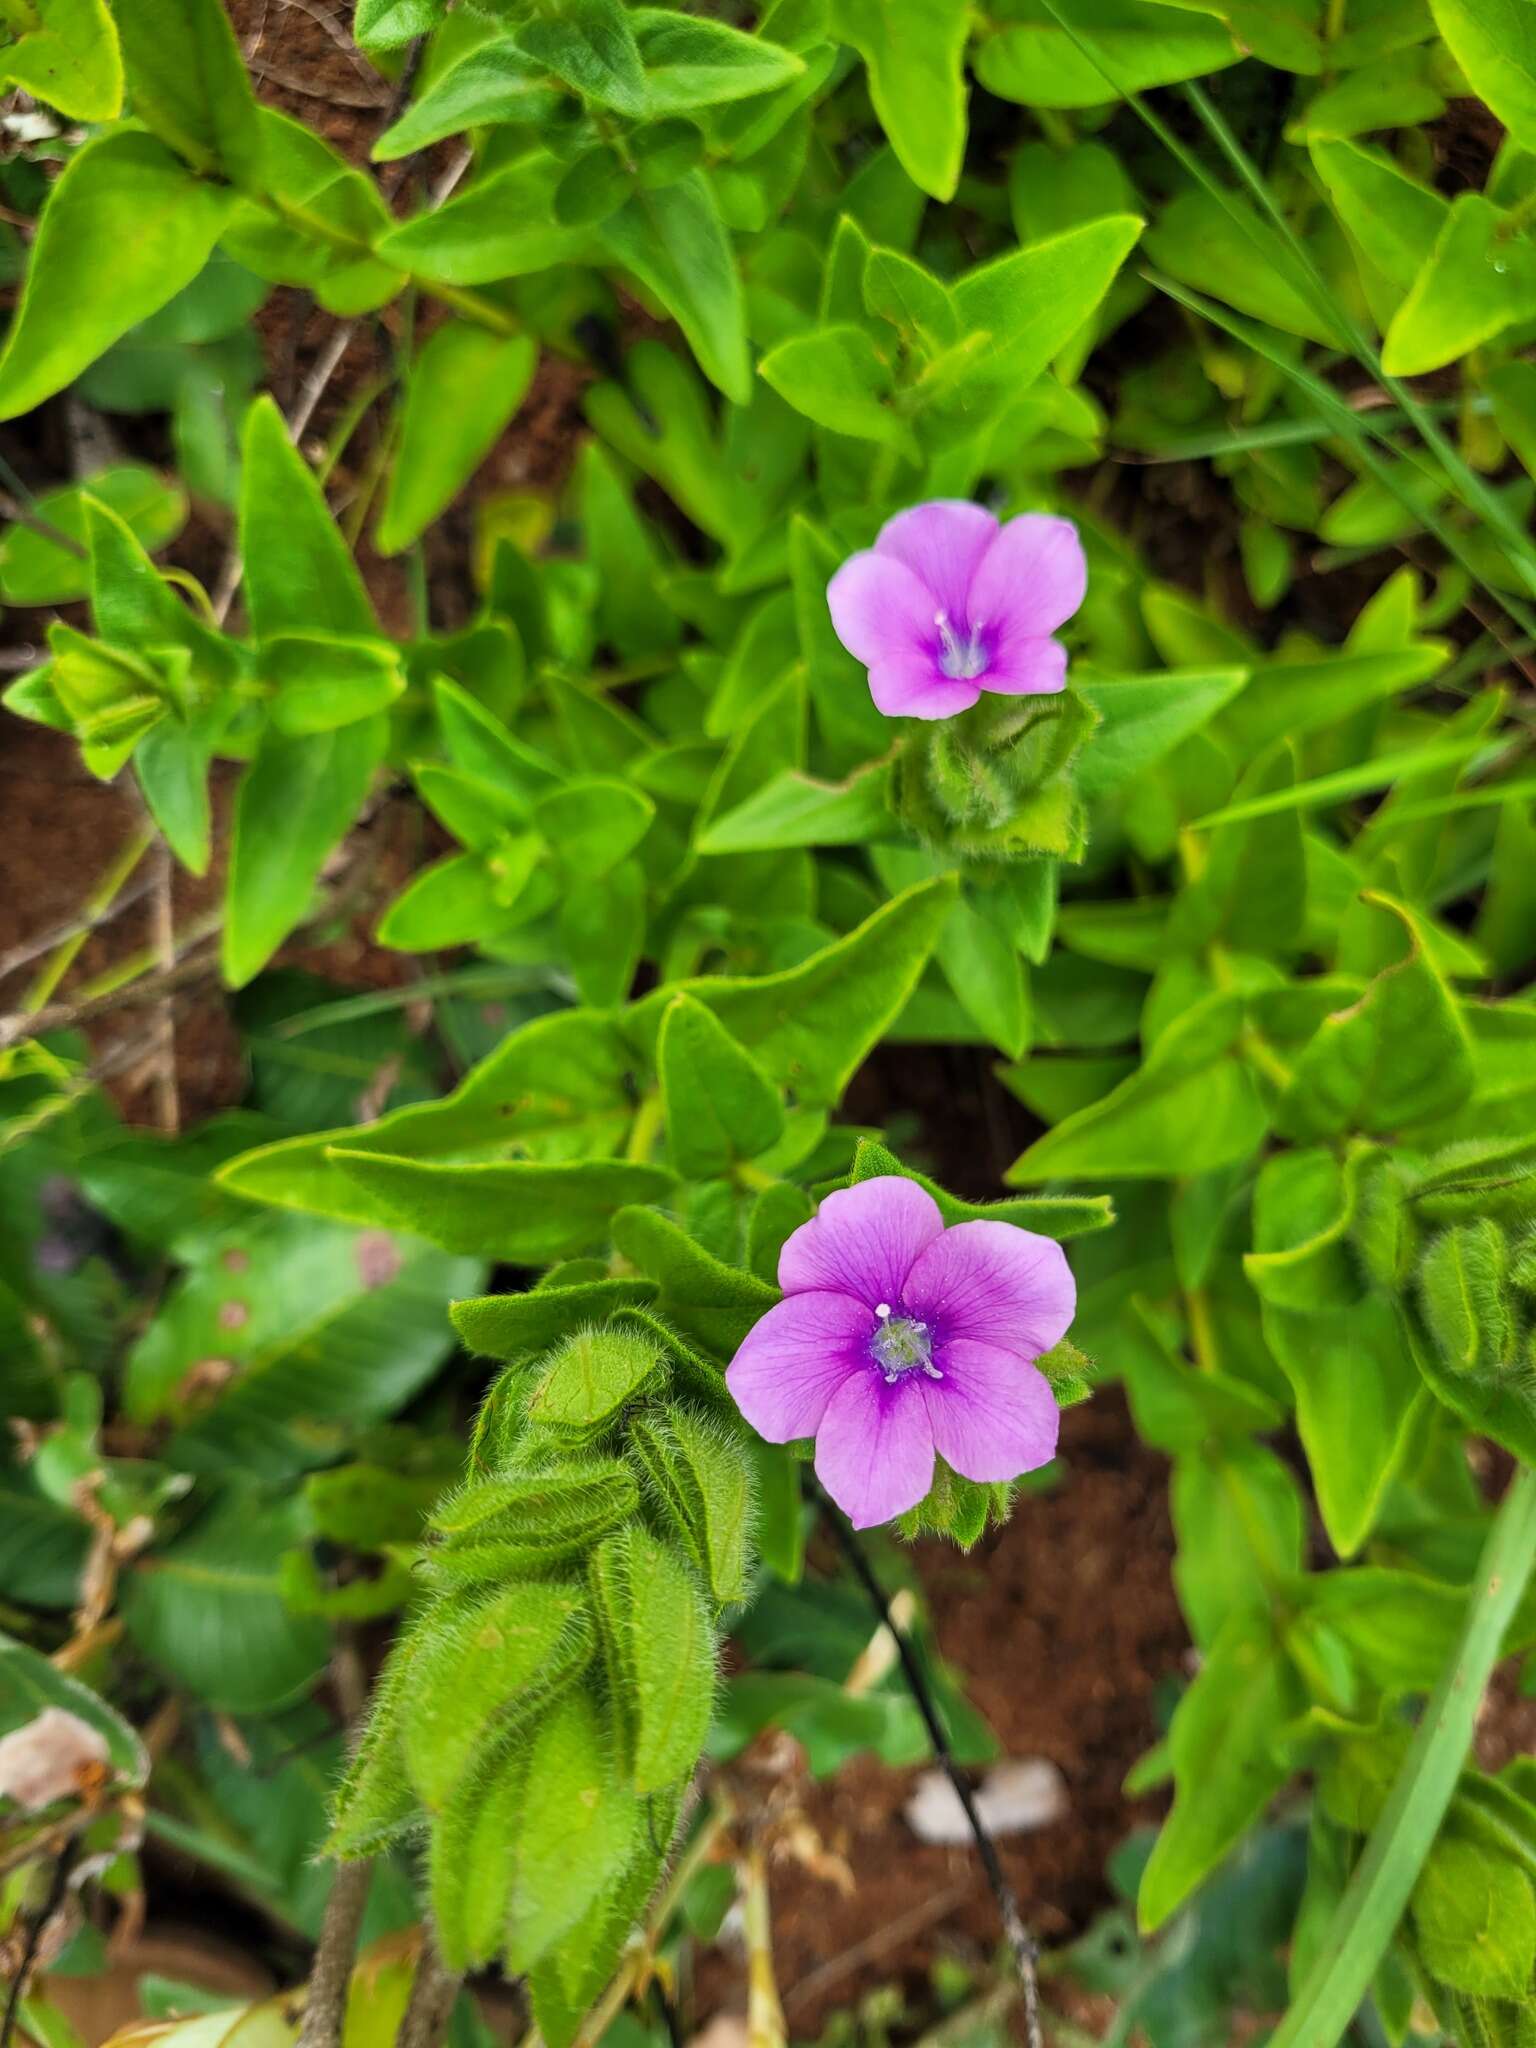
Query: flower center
x=901, y=1345
x=961, y=660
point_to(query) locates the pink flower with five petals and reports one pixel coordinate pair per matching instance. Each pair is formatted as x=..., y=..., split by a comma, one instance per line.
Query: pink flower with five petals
x=898, y=1339
x=948, y=603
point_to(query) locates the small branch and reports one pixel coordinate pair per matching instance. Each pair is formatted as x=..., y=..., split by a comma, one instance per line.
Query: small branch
x=433, y=1991
x=75, y=927
x=163, y=934
x=1021, y=1943
x=765, y=2014
x=326, y=2005
x=58, y=1885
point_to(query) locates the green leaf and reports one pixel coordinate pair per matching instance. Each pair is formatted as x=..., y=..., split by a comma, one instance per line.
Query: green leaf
x=37, y=570
x=673, y=243
x=188, y=83
x=67, y=55
x=31, y=1686
x=490, y=84
x=594, y=822
x=461, y=390
x=1142, y=718
x=480, y=1673
x=1366, y=1919
x=1035, y=54
x=1398, y=1057
x=811, y=1026
x=557, y=1088
x=317, y=222
x=391, y=24
x=207, y=1609
x=671, y=1664
x=1479, y=278
x=590, y=44
x=1227, y=1742
x=794, y=809
x=520, y=1209
x=1285, y=699
x=709, y=1301
x=123, y=229
x=590, y=1378
x=1190, y=1108
x=520, y=1523
x=1058, y=1216
x=1391, y=216
x=295, y=803
x=1031, y=303
x=835, y=377
x=983, y=967
x=470, y=1859
x=521, y=1326
x=299, y=573
x=1474, y=1918
x=503, y=226
x=324, y=680
x=718, y=1103
x=914, y=52
x=692, y=62
x=576, y=1830
x=1494, y=42
x=699, y=1477
x=1222, y=247
x=314, y=1330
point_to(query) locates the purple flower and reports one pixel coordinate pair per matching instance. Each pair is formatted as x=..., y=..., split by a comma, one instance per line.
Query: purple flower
x=898, y=1338
x=947, y=603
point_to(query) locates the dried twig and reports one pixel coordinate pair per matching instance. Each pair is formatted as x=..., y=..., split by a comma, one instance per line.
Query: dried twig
x=75, y=927
x=1021, y=1943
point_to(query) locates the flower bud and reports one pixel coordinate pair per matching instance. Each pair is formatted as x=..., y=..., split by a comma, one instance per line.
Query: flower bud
x=1464, y=1295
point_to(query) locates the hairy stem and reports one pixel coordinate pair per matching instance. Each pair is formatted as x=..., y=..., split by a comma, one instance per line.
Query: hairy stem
x=1022, y=1945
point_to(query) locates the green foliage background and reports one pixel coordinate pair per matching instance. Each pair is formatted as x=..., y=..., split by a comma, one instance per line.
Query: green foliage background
x=1247, y=917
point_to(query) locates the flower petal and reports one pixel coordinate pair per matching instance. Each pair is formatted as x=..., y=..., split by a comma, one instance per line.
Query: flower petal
x=874, y=1450
x=1032, y=578
x=942, y=543
x=995, y=1284
x=793, y=1361
x=992, y=1416
x=862, y=1241
x=1022, y=667
x=916, y=687
x=880, y=610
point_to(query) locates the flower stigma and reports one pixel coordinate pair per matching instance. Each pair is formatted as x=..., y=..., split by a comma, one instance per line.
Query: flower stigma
x=961, y=660
x=901, y=1344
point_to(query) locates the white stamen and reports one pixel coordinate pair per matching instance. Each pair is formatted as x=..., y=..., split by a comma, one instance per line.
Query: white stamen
x=960, y=660
x=883, y=1310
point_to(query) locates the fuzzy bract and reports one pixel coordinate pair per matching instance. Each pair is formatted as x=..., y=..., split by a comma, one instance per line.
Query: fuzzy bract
x=948, y=603
x=898, y=1338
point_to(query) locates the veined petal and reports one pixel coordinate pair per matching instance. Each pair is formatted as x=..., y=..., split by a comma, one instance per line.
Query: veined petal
x=1021, y=667
x=874, y=1450
x=942, y=543
x=793, y=1361
x=880, y=610
x=992, y=1416
x=915, y=687
x=994, y=1284
x=1031, y=579
x=862, y=1241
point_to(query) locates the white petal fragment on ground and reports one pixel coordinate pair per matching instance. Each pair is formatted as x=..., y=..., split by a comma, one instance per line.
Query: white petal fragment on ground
x=1015, y=1798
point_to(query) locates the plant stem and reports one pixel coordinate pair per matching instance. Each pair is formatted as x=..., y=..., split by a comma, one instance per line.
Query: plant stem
x=97, y=904
x=326, y=2006
x=433, y=1991
x=1383, y=1879
x=1021, y=1943
x=58, y=1885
